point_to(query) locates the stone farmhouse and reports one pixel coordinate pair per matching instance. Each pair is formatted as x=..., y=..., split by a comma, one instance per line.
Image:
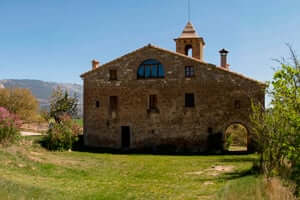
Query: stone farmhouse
x=154, y=98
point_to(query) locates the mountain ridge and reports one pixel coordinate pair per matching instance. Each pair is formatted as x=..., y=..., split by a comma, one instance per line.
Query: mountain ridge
x=42, y=90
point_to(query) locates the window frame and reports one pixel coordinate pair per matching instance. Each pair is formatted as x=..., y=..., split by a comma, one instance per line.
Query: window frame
x=237, y=104
x=189, y=100
x=153, y=102
x=154, y=70
x=113, y=75
x=189, y=71
x=97, y=104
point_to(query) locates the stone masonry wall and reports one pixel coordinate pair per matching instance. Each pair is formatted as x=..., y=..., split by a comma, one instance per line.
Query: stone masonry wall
x=186, y=129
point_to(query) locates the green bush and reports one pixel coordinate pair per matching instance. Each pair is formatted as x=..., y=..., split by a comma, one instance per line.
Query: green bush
x=228, y=141
x=62, y=135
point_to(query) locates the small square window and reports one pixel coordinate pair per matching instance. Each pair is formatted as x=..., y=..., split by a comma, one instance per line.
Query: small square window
x=237, y=104
x=189, y=71
x=97, y=104
x=113, y=75
x=189, y=100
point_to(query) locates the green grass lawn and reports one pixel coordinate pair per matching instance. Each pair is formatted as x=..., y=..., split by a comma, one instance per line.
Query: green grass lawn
x=28, y=171
x=79, y=122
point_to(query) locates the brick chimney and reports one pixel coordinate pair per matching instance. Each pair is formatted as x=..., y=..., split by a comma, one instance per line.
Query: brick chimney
x=95, y=64
x=223, y=53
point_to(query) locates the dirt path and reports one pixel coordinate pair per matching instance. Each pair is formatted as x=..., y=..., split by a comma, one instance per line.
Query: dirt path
x=24, y=133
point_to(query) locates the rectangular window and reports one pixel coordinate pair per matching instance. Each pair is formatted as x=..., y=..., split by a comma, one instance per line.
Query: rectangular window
x=189, y=100
x=97, y=104
x=152, y=102
x=113, y=103
x=237, y=104
x=189, y=71
x=113, y=75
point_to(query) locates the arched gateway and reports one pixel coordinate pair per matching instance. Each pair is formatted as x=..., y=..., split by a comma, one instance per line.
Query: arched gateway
x=238, y=136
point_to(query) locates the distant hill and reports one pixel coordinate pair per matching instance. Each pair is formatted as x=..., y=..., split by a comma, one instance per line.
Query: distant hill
x=42, y=90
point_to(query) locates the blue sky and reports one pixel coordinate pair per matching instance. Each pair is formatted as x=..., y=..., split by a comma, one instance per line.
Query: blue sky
x=56, y=40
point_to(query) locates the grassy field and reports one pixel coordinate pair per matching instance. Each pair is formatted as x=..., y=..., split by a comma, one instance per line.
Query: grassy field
x=28, y=171
x=79, y=122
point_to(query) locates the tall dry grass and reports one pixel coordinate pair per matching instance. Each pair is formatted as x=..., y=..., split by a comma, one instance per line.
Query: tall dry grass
x=258, y=189
x=276, y=191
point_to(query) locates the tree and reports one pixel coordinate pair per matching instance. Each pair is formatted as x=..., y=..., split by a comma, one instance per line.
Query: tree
x=62, y=103
x=277, y=130
x=20, y=102
x=63, y=131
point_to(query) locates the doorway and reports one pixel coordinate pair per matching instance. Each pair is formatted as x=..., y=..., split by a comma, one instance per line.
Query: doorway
x=125, y=136
x=236, y=136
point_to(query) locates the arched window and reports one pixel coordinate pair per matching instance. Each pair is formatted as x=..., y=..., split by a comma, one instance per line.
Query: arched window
x=151, y=69
x=189, y=50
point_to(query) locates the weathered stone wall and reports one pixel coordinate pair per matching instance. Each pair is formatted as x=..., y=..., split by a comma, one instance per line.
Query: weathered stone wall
x=185, y=128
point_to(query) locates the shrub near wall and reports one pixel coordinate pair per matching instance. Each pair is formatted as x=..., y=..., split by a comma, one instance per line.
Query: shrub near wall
x=9, y=127
x=62, y=134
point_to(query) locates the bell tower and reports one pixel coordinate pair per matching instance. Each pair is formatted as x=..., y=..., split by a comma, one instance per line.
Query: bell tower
x=190, y=41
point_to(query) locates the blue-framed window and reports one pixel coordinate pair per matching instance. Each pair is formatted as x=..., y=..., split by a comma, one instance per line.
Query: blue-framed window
x=150, y=69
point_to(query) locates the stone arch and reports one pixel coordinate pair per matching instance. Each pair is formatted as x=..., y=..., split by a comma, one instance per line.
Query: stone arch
x=236, y=137
x=247, y=126
x=188, y=50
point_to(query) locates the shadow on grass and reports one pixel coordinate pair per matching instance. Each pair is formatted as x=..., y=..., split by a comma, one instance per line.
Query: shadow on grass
x=231, y=175
x=239, y=159
x=79, y=146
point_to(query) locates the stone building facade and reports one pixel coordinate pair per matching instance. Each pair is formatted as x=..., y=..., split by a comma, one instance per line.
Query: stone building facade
x=152, y=98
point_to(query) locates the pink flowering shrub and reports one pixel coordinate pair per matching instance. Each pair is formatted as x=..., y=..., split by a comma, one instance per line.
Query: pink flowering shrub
x=9, y=126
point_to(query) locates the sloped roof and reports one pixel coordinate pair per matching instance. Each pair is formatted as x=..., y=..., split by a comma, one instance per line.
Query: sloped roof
x=177, y=54
x=189, y=31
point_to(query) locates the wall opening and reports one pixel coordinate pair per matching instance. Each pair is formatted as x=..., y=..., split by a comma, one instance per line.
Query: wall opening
x=125, y=137
x=113, y=76
x=236, y=137
x=189, y=100
x=189, y=50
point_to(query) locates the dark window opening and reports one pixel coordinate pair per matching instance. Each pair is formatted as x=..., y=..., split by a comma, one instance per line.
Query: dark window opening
x=97, y=104
x=189, y=50
x=189, y=100
x=152, y=102
x=113, y=103
x=237, y=104
x=189, y=71
x=151, y=69
x=210, y=130
x=113, y=75
x=152, y=108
